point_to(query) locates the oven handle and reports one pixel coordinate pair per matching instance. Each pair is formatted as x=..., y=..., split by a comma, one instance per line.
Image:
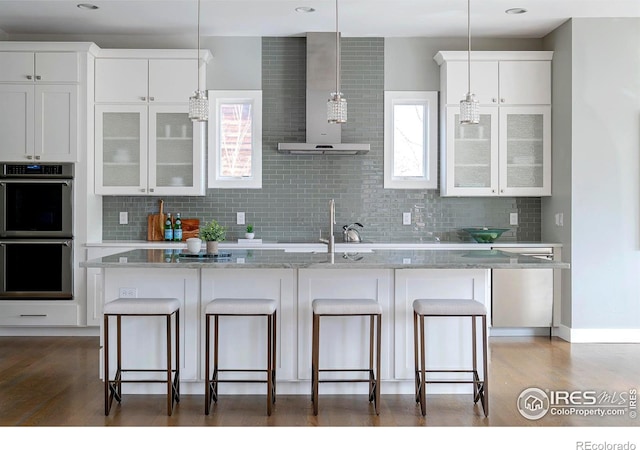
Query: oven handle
x=25, y=181
x=65, y=242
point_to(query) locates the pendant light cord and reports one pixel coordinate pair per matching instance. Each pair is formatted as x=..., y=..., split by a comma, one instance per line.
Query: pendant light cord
x=337, y=53
x=198, y=55
x=469, y=45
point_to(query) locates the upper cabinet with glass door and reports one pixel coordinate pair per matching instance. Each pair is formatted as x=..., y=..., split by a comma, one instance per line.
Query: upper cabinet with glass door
x=145, y=142
x=509, y=152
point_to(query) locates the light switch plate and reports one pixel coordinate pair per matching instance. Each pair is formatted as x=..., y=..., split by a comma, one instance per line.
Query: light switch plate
x=513, y=218
x=406, y=218
x=240, y=218
x=124, y=218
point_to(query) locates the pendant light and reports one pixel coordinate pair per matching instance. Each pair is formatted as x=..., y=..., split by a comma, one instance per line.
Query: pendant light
x=469, y=107
x=337, y=104
x=199, y=103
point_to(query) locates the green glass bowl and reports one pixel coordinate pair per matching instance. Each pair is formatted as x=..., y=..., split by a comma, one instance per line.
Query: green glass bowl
x=485, y=235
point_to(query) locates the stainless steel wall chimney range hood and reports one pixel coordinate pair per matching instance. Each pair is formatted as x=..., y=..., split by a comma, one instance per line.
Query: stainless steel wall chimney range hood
x=323, y=138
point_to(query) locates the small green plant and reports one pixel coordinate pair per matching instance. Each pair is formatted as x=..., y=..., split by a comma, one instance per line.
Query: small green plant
x=213, y=231
x=249, y=228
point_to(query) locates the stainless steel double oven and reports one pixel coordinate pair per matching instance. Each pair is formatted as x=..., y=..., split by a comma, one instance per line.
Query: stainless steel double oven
x=36, y=231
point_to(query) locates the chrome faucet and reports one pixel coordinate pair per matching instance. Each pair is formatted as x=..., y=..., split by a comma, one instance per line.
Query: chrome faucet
x=331, y=242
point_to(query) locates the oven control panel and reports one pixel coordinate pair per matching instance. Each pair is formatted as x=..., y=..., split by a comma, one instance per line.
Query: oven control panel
x=37, y=170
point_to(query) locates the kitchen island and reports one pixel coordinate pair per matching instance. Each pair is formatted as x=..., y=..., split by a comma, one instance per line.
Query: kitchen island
x=394, y=278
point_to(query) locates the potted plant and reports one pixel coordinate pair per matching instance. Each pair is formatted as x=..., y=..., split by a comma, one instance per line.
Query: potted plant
x=249, y=234
x=212, y=233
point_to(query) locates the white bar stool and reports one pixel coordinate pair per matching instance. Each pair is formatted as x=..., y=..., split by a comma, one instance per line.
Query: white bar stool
x=239, y=307
x=450, y=308
x=341, y=308
x=137, y=307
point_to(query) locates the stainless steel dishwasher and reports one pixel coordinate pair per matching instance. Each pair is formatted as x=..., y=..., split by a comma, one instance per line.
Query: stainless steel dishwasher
x=523, y=297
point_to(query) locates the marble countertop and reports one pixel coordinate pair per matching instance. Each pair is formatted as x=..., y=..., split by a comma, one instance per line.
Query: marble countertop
x=373, y=259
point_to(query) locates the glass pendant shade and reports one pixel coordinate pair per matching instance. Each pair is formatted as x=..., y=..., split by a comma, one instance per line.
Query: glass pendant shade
x=199, y=107
x=337, y=108
x=469, y=110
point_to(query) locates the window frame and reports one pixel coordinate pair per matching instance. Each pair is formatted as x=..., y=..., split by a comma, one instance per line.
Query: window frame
x=216, y=97
x=430, y=101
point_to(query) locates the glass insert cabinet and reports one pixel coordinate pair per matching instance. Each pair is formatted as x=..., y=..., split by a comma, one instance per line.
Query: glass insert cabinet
x=148, y=150
x=508, y=153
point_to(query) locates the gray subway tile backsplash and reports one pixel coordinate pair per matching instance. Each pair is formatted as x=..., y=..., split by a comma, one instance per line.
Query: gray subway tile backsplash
x=293, y=202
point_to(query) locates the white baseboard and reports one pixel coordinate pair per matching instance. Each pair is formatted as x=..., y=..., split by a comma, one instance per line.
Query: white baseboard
x=50, y=331
x=599, y=335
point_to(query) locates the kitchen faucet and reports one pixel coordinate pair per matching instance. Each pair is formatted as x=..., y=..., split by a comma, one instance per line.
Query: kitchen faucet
x=331, y=242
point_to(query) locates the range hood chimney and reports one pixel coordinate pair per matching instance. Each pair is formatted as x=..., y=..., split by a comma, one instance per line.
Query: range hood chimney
x=323, y=138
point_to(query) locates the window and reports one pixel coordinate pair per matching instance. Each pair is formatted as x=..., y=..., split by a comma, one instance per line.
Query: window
x=235, y=139
x=410, y=139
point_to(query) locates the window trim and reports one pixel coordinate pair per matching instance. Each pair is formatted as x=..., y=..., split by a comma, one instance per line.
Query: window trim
x=430, y=100
x=213, y=154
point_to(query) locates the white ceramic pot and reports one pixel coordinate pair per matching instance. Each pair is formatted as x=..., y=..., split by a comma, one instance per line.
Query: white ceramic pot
x=193, y=245
x=249, y=235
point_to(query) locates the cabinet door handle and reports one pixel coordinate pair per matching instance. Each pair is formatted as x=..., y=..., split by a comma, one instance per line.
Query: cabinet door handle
x=29, y=77
x=151, y=99
x=152, y=190
x=501, y=100
x=38, y=77
x=143, y=190
x=38, y=157
x=144, y=99
x=493, y=191
x=33, y=315
x=502, y=191
x=494, y=100
x=29, y=157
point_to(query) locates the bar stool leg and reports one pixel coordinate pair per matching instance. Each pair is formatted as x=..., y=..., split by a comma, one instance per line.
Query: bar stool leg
x=207, y=383
x=485, y=361
x=269, y=370
x=415, y=357
x=215, y=357
x=169, y=360
x=273, y=355
x=107, y=403
x=423, y=373
x=372, y=375
x=378, y=348
x=176, y=379
x=118, y=379
x=316, y=359
x=474, y=353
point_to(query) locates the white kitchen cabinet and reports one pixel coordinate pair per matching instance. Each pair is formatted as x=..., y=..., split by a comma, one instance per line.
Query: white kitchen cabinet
x=509, y=152
x=39, y=117
x=148, y=150
x=37, y=313
x=124, y=80
x=344, y=341
x=144, y=141
x=39, y=67
x=442, y=334
x=250, y=333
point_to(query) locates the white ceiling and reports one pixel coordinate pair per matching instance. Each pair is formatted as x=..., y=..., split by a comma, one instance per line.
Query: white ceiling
x=443, y=18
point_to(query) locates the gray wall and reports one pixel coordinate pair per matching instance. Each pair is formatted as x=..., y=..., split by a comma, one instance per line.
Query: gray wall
x=293, y=201
x=560, y=41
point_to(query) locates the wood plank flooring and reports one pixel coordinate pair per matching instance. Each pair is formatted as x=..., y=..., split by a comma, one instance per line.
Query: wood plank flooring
x=53, y=381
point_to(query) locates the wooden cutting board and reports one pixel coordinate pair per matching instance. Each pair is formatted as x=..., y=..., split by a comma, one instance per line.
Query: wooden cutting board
x=190, y=228
x=155, y=224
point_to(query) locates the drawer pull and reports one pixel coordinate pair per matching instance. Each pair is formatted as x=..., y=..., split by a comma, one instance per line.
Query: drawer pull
x=33, y=315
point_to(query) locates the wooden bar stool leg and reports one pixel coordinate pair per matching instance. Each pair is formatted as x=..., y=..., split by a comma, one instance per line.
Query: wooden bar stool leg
x=415, y=357
x=474, y=354
x=485, y=362
x=207, y=382
x=378, y=349
x=118, y=386
x=169, y=360
x=273, y=354
x=176, y=379
x=269, y=372
x=215, y=358
x=372, y=379
x=316, y=361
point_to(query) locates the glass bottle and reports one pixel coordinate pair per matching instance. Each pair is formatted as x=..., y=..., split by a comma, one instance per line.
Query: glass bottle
x=168, y=228
x=177, y=228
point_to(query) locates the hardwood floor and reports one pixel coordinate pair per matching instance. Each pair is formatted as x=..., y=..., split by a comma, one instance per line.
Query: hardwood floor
x=53, y=381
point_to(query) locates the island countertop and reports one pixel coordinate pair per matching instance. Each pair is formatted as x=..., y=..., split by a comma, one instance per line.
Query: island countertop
x=279, y=259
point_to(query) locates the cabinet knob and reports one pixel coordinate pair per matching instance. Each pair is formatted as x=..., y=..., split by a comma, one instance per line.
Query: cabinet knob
x=151, y=99
x=143, y=190
x=152, y=190
x=494, y=100
x=38, y=77
x=144, y=99
x=501, y=100
x=29, y=77
x=502, y=191
x=493, y=191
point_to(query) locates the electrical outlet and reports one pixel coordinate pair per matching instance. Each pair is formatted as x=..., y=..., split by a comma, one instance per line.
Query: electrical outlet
x=406, y=218
x=240, y=218
x=513, y=218
x=128, y=292
x=124, y=217
x=559, y=219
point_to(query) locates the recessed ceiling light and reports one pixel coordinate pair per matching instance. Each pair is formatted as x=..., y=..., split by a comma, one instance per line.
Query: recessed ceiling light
x=86, y=6
x=305, y=9
x=516, y=11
